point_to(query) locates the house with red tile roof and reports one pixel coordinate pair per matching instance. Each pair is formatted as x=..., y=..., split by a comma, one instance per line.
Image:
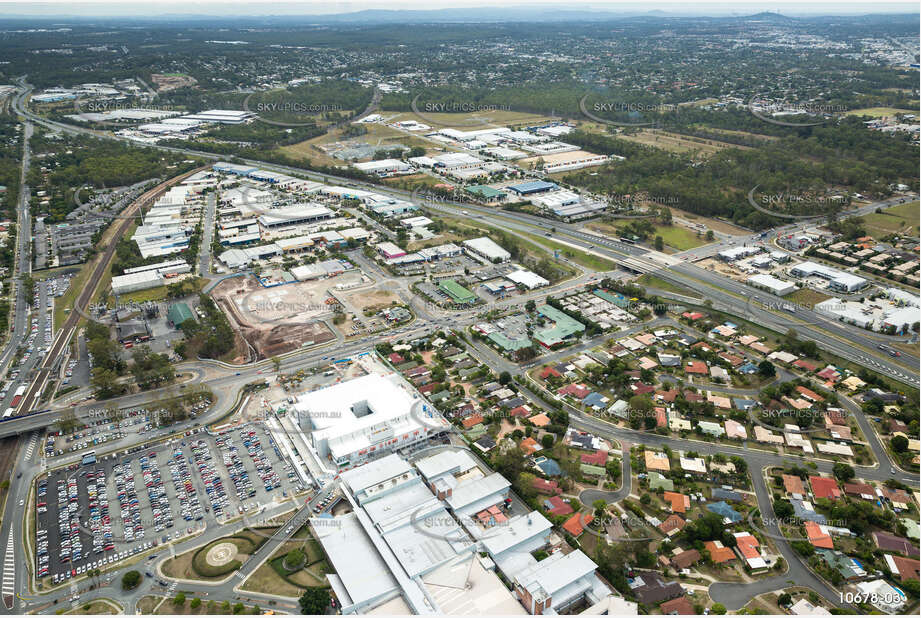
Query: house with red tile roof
x=661, y=417
x=520, y=412
x=905, y=568
x=793, y=485
x=749, y=549
x=540, y=420
x=543, y=486
x=732, y=359
x=427, y=389
x=718, y=553
x=529, y=446
x=598, y=458
x=809, y=394
x=835, y=416
x=818, y=535
x=472, y=421
x=577, y=391
x=557, y=506
x=548, y=371
x=829, y=373
x=672, y=525
x=686, y=559
x=824, y=487
x=692, y=315
x=696, y=367
x=642, y=389
x=575, y=525
x=667, y=396
x=804, y=365
x=677, y=607
x=396, y=359
x=680, y=503
x=860, y=490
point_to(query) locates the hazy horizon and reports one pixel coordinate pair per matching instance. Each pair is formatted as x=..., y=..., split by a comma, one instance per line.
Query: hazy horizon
x=232, y=8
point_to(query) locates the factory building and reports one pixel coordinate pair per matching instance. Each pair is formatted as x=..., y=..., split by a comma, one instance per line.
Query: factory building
x=487, y=249
x=771, y=284
x=837, y=280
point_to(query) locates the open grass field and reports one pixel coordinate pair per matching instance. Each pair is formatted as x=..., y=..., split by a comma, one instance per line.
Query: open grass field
x=666, y=286
x=377, y=135
x=807, y=297
x=157, y=293
x=767, y=138
x=680, y=238
x=901, y=219
x=672, y=142
x=583, y=258
x=880, y=112
x=675, y=236
x=717, y=225
x=472, y=121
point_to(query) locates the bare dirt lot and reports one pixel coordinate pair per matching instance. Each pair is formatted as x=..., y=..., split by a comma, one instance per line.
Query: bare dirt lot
x=371, y=299
x=278, y=319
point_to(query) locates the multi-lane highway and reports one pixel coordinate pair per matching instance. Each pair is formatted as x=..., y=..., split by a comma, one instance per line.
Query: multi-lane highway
x=726, y=294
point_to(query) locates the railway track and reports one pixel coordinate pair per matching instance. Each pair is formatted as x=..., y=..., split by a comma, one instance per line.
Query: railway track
x=103, y=262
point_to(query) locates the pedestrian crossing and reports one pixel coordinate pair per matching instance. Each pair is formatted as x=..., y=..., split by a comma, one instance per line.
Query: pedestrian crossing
x=8, y=586
x=31, y=446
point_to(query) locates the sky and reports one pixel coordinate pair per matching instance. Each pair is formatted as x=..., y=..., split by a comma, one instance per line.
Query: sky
x=224, y=8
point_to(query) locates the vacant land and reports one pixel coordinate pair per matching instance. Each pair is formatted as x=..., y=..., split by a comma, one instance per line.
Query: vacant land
x=807, y=297
x=316, y=148
x=675, y=236
x=879, y=112
x=372, y=300
x=717, y=225
x=661, y=284
x=473, y=121
x=680, y=238
x=673, y=142
x=901, y=219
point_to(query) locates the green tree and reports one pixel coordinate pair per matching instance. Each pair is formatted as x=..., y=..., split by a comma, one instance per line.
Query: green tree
x=899, y=444
x=130, y=580
x=238, y=608
x=195, y=604
x=843, y=472
x=179, y=599
x=784, y=600
x=505, y=377
x=659, y=243
x=547, y=440
x=766, y=369
x=314, y=601
x=718, y=608
x=294, y=559
x=710, y=236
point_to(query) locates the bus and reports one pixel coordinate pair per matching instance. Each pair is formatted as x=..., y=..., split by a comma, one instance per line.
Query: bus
x=9, y=412
x=89, y=458
x=18, y=396
x=629, y=241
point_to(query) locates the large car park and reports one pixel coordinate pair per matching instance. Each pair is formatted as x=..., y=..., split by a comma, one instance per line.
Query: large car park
x=94, y=515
